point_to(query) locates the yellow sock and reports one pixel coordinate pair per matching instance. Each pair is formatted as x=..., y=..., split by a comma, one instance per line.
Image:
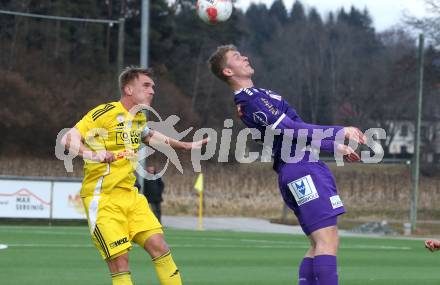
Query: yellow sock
x=166, y=270
x=121, y=278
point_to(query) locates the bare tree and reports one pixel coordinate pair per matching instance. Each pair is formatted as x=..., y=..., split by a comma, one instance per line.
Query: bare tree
x=430, y=25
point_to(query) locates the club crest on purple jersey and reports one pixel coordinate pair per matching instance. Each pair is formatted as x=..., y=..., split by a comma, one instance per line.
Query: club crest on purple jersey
x=303, y=190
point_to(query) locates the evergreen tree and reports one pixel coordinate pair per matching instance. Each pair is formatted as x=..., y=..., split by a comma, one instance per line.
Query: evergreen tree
x=278, y=11
x=298, y=14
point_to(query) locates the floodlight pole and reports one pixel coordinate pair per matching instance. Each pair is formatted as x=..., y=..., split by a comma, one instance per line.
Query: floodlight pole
x=416, y=158
x=145, y=25
x=121, y=33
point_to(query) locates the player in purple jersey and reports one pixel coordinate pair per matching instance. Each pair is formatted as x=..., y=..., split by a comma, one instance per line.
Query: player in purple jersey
x=306, y=184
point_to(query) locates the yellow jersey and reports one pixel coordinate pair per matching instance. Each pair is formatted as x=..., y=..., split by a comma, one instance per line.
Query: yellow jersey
x=112, y=128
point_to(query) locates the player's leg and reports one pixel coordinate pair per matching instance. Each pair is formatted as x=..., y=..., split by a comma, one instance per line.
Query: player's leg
x=153, y=242
x=109, y=230
x=310, y=191
x=306, y=274
x=324, y=261
x=119, y=269
x=147, y=232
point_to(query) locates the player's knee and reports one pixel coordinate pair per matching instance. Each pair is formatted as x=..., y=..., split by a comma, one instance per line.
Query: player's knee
x=156, y=245
x=118, y=263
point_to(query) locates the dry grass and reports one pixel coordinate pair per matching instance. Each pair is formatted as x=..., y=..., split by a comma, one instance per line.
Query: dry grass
x=230, y=190
x=370, y=192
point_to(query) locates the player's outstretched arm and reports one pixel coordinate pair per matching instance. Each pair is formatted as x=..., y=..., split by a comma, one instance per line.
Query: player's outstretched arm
x=155, y=138
x=73, y=142
x=432, y=245
x=291, y=121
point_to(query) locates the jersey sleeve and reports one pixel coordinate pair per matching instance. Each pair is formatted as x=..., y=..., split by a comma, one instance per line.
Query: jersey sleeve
x=324, y=145
x=85, y=125
x=263, y=113
x=92, y=120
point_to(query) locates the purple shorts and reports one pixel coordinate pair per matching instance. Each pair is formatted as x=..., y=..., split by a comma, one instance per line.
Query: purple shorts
x=332, y=221
x=309, y=189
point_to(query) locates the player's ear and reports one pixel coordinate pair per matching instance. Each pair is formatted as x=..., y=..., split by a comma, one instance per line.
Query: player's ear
x=128, y=90
x=227, y=71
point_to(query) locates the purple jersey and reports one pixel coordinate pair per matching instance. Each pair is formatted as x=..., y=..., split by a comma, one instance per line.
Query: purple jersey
x=261, y=108
x=308, y=188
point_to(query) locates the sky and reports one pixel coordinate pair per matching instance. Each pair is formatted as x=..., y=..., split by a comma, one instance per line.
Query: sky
x=385, y=13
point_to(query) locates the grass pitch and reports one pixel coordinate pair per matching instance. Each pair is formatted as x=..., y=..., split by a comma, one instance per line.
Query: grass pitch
x=42, y=255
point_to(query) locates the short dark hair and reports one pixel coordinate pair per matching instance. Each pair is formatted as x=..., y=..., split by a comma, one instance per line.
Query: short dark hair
x=131, y=73
x=217, y=61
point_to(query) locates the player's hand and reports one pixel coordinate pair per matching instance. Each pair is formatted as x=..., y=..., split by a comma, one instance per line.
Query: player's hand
x=349, y=154
x=196, y=144
x=432, y=245
x=103, y=156
x=126, y=154
x=354, y=134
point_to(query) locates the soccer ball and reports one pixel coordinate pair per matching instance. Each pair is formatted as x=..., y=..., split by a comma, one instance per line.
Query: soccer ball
x=214, y=11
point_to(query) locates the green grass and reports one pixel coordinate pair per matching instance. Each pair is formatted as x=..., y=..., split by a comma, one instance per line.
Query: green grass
x=41, y=255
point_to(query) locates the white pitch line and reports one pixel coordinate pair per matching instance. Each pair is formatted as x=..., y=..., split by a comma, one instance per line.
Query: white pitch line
x=40, y=232
x=235, y=240
x=3, y=246
x=172, y=237
x=297, y=243
x=84, y=230
x=380, y=247
x=271, y=241
x=211, y=246
x=171, y=245
x=45, y=227
x=49, y=245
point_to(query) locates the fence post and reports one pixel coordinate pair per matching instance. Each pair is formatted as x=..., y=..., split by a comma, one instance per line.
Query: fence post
x=51, y=202
x=416, y=158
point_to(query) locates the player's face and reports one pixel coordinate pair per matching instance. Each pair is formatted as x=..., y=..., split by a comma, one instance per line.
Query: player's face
x=238, y=65
x=142, y=90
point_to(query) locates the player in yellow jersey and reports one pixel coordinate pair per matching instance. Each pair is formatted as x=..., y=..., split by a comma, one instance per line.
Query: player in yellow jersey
x=108, y=138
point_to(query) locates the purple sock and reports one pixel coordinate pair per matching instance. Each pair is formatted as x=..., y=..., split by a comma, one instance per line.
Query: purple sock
x=325, y=269
x=306, y=275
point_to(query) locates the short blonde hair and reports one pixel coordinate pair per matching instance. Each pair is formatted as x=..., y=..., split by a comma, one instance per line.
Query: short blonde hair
x=131, y=73
x=217, y=61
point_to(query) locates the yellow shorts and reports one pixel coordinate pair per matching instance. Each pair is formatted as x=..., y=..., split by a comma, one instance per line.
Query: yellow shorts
x=115, y=218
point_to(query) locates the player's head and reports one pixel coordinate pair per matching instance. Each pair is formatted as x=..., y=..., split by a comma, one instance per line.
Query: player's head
x=228, y=64
x=151, y=169
x=136, y=85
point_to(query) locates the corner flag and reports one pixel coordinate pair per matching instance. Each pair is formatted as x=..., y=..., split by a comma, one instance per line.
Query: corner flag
x=199, y=183
x=199, y=187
